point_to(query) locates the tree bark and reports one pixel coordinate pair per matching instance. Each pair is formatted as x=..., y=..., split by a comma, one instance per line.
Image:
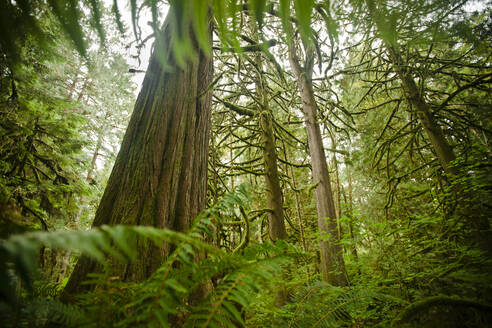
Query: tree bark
x=351, y=216
x=443, y=150
x=441, y=147
x=332, y=263
x=274, y=195
x=290, y=171
x=159, y=178
x=338, y=206
x=275, y=202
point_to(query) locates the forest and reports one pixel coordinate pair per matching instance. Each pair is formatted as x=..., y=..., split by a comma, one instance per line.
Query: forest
x=246, y=163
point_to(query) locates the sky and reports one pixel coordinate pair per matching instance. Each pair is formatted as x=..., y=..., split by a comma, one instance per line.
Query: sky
x=145, y=17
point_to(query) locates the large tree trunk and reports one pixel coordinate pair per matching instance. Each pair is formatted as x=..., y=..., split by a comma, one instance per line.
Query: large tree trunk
x=159, y=178
x=332, y=263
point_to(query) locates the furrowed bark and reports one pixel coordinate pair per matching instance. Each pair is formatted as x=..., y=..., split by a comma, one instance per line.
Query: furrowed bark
x=159, y=178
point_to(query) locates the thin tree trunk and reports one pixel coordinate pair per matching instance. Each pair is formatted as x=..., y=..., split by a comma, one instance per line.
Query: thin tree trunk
x=338, y=207
x=83, y=88
x=276, y=224
x=274, y=192
x=290, y=170
x=78, y=215
x=274, y=197
x=160, y=175
x=332, y=264
x=350, y=215
x=444, y=151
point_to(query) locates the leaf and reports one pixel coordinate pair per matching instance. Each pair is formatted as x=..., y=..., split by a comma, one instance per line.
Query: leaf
x=304, y=9
x=117, y=17
x=161, y=318
x=133, y=10
x=174, y=284
x=330, y=22
x=68, y=14
x=284, y=10
x=233, y=311
x=96, y=19
x=201, y=27
x=122, y=239
x=258, y=8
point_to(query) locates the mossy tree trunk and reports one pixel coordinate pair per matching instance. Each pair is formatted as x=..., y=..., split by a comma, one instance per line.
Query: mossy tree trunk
x=274, y=197
x=442, y=148
x=159, y=178
x=332, y=263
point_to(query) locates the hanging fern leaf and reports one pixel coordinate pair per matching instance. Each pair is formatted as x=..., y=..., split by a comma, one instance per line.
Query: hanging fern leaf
x=201, y=22
x=117, y=17
x=258, y=8
x=116, y=241
x=170, y=295
x=304, y=9
x=96, y=21
x=68, y=14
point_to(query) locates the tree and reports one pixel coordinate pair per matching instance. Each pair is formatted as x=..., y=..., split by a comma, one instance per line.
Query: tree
x=421, y=108
x=399, y=85
x=274, y=192
x=332, y=263
x=41, y=158
x=160, y=174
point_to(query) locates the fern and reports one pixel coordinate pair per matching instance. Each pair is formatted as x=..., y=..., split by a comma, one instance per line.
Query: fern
x=37, y=312
x=171, y=297
x=323, y=305
x=234, y=293
x=178, y=293
x=20, y=252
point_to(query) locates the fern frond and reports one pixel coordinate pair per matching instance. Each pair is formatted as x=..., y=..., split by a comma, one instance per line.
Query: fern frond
x=99, y=243
x=37, y=312
x=234, y=293
x=323, y=305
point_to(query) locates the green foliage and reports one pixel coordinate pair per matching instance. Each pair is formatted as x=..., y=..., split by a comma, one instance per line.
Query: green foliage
x=68, y=14
x=304, y=9
x=186, y=14
x=165, y=297
x=41, y=146
x=22, y=14
x=54, y=110
x=411, y=256
x=322, y=305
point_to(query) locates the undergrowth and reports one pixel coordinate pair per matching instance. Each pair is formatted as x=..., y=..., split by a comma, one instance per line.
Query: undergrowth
x=202, y=285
